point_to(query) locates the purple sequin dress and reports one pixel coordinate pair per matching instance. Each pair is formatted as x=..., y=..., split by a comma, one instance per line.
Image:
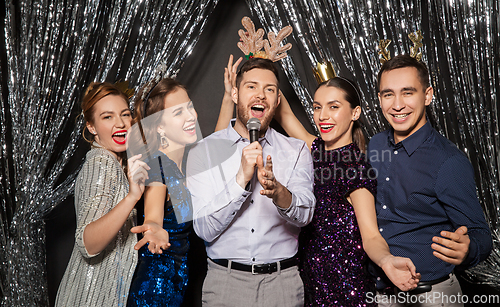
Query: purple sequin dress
x=333, y=262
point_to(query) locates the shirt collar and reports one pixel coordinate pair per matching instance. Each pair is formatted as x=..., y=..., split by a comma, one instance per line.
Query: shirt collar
x=411, y=143
x=234, y=136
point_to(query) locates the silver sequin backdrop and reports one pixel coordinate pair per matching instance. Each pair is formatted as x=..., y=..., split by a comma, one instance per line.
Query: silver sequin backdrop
x=53, y=48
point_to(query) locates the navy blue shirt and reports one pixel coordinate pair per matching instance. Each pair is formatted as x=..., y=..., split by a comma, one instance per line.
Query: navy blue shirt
x=425, y=185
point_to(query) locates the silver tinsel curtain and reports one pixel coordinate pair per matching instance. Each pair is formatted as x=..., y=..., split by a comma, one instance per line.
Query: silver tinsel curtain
x=461, y=48
x=53, y=50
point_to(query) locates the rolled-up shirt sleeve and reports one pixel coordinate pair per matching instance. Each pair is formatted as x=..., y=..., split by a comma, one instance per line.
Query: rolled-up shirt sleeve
x=94, y=194
x=300, y=185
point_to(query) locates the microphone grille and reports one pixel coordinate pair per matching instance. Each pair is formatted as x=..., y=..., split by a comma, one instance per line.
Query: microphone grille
x=253, y=124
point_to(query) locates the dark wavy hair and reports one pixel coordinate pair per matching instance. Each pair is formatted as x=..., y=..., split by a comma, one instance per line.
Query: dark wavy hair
x=150, y=107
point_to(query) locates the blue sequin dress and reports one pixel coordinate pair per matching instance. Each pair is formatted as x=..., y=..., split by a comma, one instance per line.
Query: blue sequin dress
x=332, y=259
x=161, y=279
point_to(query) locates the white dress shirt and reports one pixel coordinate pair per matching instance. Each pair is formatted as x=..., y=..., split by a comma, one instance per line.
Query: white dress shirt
x=242, y=225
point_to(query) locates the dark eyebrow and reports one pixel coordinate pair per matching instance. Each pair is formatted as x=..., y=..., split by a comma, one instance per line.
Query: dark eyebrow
x=328, y=103
x=410, y=88
x=382, y=92
x=255, y=82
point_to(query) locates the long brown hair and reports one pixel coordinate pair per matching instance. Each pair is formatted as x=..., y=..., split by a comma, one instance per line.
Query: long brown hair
x=148, y=103
x=95, y=92
x=352, y=96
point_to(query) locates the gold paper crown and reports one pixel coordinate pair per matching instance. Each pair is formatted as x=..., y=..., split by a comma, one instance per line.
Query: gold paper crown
x=252, y=42
x=123, y=86
x=415, y=37
x=323, y=72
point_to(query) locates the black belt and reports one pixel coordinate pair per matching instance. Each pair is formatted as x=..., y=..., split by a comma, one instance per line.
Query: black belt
x=426, y=286
x=266, y=268
x=422, y=287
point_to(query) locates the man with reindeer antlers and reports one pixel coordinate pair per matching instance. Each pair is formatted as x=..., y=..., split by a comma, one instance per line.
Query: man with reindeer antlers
x=249, y=207
x=427, y=206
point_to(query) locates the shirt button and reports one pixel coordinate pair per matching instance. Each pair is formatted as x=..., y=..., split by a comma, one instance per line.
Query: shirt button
x=387, y=179
x=381, y=229
x=378, y=278
x=251, y=201
x=395, y=152
x=253, y=259
x=384, y=207
x=253, y=230
x=234, y=212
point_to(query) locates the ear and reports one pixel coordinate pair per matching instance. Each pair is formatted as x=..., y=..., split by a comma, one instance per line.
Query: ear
x=429, y=92
x=160, y=130
x=356, y=113
x=234, y=95
x=378, y=95
x=91, y=128
x=279, y=98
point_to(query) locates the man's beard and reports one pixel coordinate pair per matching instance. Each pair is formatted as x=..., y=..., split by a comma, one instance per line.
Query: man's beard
x=242, y=113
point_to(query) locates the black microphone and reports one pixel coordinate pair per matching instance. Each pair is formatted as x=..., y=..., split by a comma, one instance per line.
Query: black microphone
x=253, y=126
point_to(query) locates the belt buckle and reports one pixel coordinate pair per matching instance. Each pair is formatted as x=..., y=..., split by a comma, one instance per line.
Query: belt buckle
x=420, y=289
x=253, y=270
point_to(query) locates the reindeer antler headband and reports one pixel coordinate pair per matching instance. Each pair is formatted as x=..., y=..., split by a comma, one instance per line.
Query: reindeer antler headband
x=415, y=37
x=252, y=42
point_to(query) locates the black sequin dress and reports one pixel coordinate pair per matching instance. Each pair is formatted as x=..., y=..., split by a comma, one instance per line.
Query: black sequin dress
x=333, y=262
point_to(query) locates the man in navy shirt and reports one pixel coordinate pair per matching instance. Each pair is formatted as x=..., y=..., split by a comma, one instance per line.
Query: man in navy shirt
x=427, y=206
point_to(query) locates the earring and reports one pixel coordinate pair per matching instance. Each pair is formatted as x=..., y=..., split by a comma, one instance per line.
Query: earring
x=163, y=140
x=91, y=131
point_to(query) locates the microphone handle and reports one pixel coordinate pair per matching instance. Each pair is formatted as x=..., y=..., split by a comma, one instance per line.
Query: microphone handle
x=254, y=135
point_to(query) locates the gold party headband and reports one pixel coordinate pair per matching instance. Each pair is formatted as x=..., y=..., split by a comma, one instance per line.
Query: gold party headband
x=415, y=37
x=123, y=86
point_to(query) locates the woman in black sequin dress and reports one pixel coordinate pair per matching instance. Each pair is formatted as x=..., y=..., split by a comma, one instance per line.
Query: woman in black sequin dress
x=335, y=245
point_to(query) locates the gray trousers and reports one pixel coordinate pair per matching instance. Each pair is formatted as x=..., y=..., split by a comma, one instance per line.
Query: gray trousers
x=232, y=288
x=444, y=294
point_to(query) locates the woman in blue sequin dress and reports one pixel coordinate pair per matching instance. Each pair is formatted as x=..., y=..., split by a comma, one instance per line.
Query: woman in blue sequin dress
x=168, y=124
x=334, y=247
x=167, y=127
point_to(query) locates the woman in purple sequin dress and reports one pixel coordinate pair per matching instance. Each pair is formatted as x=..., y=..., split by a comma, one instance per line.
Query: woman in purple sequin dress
x=335, y=246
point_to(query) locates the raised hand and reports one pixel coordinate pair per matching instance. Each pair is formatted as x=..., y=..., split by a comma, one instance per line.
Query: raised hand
x=266, y=177
x=452, y=247
x=401, y=271
x=230, y=74
x=155, y=235
x=272, y=188
x=137, y=175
